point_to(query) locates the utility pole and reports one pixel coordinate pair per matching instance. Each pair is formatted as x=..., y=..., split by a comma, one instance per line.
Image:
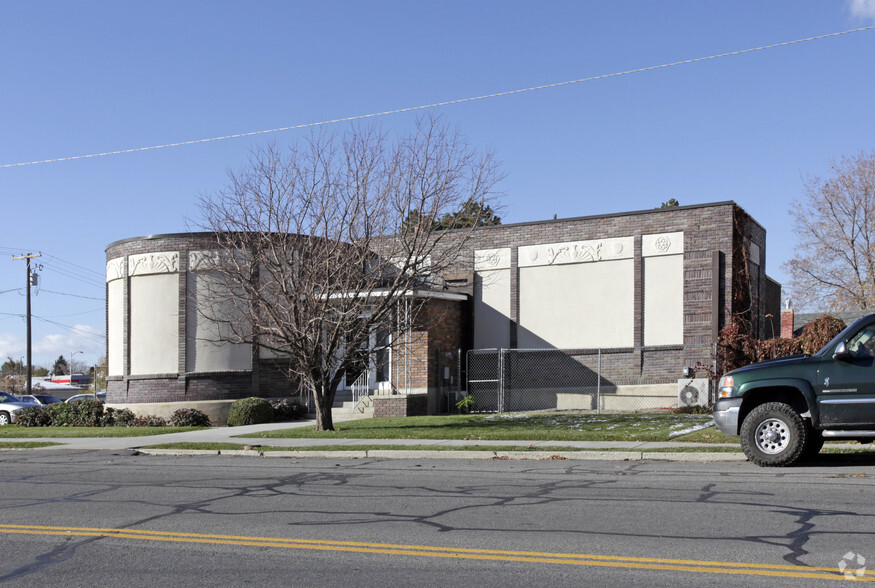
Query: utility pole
x=28, y=257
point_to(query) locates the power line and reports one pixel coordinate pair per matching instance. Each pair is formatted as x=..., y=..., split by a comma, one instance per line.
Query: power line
x=97, y=275
x=102, y=309
x=438, y=104
x=74, y=276
x=73, y=295
x=76, y=266
x=90, y=335
x=66, y=268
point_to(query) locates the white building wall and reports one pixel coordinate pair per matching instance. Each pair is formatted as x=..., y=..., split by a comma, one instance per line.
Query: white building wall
x=154, y=327
x=664, y=300
x=663, y=288
x=584, y=305
x=492, y=298
x=205, y=350
x=581, y=294
x=115, y=309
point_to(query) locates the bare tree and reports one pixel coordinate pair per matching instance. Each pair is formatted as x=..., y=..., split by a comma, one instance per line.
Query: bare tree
x=315, y=254
x=834, y=264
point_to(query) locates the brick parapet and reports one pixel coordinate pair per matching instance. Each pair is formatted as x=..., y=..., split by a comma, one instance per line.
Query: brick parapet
x=400, y=405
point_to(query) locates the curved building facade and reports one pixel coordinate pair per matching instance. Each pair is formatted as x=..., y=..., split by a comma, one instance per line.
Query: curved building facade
x=159, y=347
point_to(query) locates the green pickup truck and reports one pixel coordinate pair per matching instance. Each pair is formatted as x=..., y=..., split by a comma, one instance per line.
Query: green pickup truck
x=783, y=409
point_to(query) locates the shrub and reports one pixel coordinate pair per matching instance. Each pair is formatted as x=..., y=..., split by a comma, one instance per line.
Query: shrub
x=189, y=417
x=738, y=348
x=61, y=414
x=819, y=332
x=149, y=421
x=92, y=413
x=117, y=417
x=86, y=413
x=286, y=409
x=32, y=416
x=250, y=411
x=466, y=404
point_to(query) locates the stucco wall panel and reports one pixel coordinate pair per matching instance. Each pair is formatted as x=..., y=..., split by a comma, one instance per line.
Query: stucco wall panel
x=664, y=300
x=154, y=324
x=492, y=309
x=205, y=349
x=585, y=305
x=115, y=328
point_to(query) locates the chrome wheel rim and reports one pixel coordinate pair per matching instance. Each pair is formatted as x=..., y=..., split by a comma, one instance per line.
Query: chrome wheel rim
x=772, y=436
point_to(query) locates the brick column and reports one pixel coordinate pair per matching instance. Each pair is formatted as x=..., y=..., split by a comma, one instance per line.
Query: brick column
x=787, y=316
x=514, y=297
x=638, y=307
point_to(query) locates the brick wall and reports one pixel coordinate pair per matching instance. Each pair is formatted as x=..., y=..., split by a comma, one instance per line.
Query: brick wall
x=401, y=405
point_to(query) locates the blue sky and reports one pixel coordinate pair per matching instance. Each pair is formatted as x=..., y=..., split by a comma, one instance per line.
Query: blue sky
x=94, y=76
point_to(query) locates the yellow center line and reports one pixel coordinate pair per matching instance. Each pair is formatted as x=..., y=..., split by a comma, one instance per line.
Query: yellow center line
x=701, y=566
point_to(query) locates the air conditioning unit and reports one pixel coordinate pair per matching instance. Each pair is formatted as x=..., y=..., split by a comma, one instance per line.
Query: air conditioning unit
x=693, y=392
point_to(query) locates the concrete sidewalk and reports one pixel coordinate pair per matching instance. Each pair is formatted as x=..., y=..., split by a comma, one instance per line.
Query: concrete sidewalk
x=598, y=450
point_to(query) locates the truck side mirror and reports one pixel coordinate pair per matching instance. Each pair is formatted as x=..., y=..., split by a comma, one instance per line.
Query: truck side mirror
x=841, y=351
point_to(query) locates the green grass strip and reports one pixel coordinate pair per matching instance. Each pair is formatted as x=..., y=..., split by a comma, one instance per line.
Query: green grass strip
x=17, y=432
x=520, y=426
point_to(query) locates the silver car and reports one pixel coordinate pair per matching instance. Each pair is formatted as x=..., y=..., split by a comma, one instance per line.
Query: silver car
x=40, y=399
x=9, y=405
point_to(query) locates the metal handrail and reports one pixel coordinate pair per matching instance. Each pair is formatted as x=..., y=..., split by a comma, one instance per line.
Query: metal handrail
x=359, y=388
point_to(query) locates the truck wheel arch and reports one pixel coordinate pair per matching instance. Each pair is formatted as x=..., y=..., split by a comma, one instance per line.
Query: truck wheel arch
x=797, y=394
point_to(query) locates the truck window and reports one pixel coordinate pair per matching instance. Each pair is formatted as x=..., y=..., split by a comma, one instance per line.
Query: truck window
x=863, y=343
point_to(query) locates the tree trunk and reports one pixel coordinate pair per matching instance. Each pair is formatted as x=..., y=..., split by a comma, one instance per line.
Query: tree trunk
x=324, y=420
x=324, y=402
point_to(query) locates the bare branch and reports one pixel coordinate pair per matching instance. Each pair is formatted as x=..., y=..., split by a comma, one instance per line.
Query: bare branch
x=318, y=247
x=834, y=265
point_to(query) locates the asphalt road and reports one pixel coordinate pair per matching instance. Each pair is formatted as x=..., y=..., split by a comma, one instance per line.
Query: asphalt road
x=114, y=518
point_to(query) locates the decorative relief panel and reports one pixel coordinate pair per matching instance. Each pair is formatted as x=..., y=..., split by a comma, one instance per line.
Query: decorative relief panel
x=492, y=259
x=577, y=252
x=115, y=269
x=421, y=263
x=153, y=263
x=662, y=244
x=201, y=261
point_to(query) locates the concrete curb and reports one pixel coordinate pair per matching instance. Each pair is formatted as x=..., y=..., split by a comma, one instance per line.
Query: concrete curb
x=509, y=455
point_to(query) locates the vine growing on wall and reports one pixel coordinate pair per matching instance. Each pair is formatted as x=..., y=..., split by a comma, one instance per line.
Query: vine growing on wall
x=742, y=299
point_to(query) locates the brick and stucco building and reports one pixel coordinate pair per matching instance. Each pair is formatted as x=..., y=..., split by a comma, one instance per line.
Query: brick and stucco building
x=655, y=286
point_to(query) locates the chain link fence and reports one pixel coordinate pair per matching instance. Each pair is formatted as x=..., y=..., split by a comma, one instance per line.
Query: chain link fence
x=598, y=380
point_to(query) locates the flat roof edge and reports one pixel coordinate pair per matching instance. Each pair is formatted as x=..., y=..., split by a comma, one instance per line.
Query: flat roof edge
x=615, y=215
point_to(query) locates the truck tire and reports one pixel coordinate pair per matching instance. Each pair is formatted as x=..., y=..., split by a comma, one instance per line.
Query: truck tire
x=774, y=435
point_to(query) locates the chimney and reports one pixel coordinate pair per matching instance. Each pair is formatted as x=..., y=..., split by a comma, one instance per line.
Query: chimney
x=787, y=323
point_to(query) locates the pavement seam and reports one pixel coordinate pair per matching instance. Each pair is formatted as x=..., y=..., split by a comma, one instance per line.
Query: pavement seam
x=473, y=454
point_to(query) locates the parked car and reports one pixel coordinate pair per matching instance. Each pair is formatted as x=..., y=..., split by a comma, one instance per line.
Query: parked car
x=40, y=399
x=9, y=405
x=101, y=396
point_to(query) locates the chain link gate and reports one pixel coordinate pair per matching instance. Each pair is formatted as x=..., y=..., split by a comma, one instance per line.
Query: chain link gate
x=450, y=378
x=515, y=380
